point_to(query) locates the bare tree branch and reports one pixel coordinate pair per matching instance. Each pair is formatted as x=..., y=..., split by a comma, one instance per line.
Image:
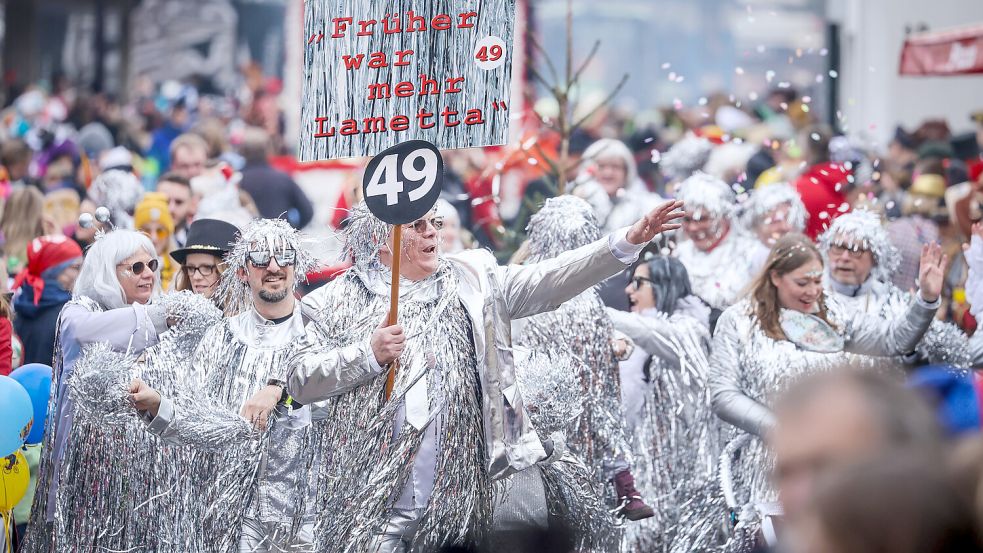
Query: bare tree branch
x=602, y=103
x=542, y=53
x=587, y=60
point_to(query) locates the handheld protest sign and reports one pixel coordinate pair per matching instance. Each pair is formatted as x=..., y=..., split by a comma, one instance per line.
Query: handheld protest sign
x=401, y=185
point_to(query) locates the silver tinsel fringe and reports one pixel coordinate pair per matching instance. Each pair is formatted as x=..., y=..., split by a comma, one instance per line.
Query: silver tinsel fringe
x=564, y=223
x=356, y=485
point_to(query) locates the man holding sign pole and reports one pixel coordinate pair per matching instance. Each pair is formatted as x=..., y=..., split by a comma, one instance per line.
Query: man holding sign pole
x=414, y=472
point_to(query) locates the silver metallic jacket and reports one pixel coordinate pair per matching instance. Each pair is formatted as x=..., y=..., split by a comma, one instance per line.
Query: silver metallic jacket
x=492, y=296
x=943, y=343
x=747, y=367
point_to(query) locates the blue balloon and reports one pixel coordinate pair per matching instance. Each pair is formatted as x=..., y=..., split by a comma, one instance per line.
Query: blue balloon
x=36, y=379
x=16, y=414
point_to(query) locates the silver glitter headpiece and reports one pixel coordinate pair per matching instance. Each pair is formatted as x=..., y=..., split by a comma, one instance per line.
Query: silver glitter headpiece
x=119, y=191
x=706, y=193
x=767, y=198
x=364, y=236
x=863, y=229
x=273, y=235
x=564, y=223
x=686, y=157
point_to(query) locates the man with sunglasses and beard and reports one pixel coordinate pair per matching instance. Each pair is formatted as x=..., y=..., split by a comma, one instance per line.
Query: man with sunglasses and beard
x=414, y=471
x=240, y=367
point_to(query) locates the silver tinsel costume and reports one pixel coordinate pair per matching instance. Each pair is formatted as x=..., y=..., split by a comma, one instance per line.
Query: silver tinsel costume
x=943, y=343
x=115, y=483
x=560, y=493
x=582, y=329
x=748, y=368
x=255, y=491
x=675, y=434
x=718, y=276
x=457, y=367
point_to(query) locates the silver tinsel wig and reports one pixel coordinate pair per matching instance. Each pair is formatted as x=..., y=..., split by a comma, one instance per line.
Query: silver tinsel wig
x=763, y=200
x=272, y=235
x=707, y=194
x=564, y=223
x=119, y=191
x=364, y=236
x=686, y=157
x=863, y=229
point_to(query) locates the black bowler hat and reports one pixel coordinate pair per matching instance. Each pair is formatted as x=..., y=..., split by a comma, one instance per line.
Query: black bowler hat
x=210, y=236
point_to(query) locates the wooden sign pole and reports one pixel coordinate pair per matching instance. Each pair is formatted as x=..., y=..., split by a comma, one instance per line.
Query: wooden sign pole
x=394, y=302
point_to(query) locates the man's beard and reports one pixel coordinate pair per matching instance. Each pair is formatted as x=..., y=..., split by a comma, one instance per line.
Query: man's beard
x=273, y=297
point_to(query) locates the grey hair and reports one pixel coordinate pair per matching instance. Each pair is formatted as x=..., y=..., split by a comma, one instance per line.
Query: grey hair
x=98, y=280
x=610, y=148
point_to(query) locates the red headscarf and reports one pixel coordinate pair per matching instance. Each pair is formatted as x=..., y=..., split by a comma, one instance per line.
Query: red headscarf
x=43, y=253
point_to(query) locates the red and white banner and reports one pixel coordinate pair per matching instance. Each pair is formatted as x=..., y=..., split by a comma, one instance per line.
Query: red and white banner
x=953, y=52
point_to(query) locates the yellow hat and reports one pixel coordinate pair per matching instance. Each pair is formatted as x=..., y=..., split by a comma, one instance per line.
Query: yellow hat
x=153, y=207
x=928, y=185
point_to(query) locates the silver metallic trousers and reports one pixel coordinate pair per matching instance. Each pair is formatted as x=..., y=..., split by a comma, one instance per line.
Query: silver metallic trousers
x=397, y=536
x=270, y=537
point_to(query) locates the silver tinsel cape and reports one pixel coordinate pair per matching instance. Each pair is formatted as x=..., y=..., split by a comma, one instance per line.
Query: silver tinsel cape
x=676, y=437
x=362, y=464
x=561, y=487
x=582, y=328
x=119, y=487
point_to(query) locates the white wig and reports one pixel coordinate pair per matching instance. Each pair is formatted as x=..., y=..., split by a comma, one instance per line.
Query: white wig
x=763, y=200
x=862, y=229
x=607, y=148
x=98, y=280
x=706, y=193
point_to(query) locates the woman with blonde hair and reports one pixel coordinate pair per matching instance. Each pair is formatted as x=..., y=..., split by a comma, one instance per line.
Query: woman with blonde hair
x=22, y=221
x=201, y=260
x=788, y=327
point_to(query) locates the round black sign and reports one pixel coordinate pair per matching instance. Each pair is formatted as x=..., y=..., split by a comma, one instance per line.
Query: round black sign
x=403, y=183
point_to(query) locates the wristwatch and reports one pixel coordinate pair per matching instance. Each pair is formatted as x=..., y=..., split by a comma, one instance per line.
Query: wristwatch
x=284, y=396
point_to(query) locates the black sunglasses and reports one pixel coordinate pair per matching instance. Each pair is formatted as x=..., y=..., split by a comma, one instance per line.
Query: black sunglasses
x=636, y=282
x=261, y=259
x=138, y=267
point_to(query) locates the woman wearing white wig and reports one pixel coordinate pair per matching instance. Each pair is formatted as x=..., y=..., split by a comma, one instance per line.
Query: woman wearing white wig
x=111, y=303
x=713, y=248
x=610, y=184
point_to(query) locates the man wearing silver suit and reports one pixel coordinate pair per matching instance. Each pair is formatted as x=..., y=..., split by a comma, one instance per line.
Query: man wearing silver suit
x=415, y=473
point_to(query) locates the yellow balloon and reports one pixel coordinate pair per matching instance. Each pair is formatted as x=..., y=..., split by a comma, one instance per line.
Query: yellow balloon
x=14, y=477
